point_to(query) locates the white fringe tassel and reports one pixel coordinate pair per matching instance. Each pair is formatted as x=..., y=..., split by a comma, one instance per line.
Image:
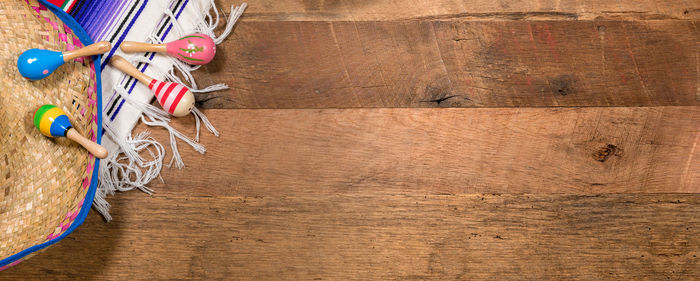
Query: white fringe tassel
x=126, y=169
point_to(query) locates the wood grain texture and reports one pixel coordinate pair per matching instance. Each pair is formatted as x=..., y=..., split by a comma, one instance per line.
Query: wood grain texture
x=594, y=183
x=379, y=235
x=577, y=150
x=371, y=10
x=454, y=63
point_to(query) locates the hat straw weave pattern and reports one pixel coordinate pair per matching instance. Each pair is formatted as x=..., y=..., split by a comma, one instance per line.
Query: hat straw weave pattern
x=43, y=181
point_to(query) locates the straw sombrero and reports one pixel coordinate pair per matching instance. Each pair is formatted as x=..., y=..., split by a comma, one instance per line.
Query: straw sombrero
x=46, y=185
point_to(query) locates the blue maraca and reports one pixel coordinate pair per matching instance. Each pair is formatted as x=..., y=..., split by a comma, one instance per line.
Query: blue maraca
x=37, y=64
x=53, y=122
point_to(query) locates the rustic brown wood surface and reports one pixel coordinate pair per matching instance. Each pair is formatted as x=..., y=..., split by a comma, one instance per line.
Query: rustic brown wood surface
x=535, y=150
x=370, y=10
x=426, y=63
x=426, y=140
x=382, y=235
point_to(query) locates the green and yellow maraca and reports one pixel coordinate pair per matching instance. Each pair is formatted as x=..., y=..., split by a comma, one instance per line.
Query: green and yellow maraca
x=53, y=122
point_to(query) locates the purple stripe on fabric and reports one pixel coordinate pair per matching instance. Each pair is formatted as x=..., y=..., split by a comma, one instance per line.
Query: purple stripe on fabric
x=118, y=7
x=91, y=20
x=100, y=23
x=95, y=18
x=126, y=31
x=88, y=15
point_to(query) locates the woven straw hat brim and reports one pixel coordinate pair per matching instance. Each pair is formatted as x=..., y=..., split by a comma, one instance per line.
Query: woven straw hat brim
x=43, y=181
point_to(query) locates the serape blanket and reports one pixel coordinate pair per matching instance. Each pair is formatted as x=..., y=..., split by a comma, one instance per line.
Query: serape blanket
x=134, y=161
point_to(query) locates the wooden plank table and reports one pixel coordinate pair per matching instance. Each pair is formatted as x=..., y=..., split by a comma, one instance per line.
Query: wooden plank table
x=415, y=139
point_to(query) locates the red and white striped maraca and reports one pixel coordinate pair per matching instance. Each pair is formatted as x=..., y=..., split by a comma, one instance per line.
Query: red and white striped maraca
x=176, y=99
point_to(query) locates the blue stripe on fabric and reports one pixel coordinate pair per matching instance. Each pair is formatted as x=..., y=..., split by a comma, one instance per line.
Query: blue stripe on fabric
x=86, y=11
x=89, y=22
x=126, y=31
x=131, y=89
x=96, y=23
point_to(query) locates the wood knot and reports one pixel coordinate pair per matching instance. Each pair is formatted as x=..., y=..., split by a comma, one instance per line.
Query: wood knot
x=563, y=85
x=606, y=152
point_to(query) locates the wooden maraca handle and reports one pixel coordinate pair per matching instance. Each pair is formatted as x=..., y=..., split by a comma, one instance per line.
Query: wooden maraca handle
x=126, y=67
x=94, y=148
x=94, y=49
x=138, y=47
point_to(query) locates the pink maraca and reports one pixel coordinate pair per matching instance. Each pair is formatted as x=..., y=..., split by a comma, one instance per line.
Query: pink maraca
x=194, y=49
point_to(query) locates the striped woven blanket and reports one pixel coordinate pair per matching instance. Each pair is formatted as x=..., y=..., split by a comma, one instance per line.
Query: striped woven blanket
x=125, y=101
